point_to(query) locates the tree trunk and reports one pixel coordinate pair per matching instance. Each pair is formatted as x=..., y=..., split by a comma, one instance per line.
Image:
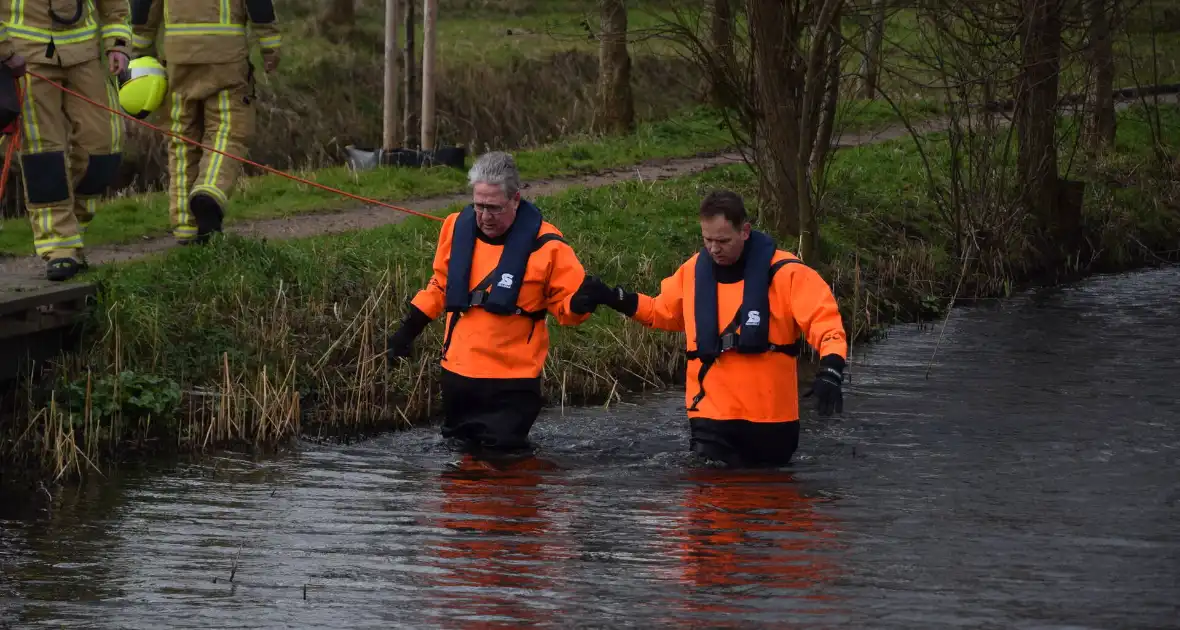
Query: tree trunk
x=389, y=102
x=408, y=73
x=1036, y=122
x=616, y=108
x=827, y=121
x=777, y=82
x=429, y=39
x=815, y=92
x=1101, y=122
x=721, y=36
x=871, y=62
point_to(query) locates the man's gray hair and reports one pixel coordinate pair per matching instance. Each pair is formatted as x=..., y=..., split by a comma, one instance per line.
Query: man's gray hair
x=496, y=168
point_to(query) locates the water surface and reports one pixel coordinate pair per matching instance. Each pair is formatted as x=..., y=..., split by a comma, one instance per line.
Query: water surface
x=1025, y=475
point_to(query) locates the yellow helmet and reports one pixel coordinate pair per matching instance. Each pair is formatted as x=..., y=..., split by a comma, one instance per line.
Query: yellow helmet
x=143, y=87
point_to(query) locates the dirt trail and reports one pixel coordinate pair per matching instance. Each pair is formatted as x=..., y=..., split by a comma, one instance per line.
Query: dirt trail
x=28, y=273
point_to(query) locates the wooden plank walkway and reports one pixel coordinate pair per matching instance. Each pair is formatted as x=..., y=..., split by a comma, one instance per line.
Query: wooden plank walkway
x=38, y=320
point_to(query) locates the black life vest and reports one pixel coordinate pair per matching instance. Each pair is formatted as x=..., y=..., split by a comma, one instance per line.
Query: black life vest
x=753, y=315
x=498, y=291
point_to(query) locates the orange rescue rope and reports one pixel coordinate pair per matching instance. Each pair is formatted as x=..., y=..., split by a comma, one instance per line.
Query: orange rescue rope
x=8, y=157
x=13, y=143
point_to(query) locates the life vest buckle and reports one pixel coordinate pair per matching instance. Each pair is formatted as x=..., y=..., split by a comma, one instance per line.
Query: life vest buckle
x=729, y=341
x=478, y=297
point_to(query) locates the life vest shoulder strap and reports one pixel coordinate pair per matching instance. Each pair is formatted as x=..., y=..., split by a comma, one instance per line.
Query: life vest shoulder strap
x=782, y=263
x=483, y=289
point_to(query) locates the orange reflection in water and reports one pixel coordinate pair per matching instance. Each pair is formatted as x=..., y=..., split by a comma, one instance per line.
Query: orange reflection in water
x=495, y=555
x=753, y=536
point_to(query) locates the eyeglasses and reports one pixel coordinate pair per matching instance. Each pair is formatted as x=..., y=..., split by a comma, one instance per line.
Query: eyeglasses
x=488, y=208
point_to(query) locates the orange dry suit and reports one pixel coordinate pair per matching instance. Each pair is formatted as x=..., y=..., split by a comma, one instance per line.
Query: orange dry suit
x=496, y=294
x=746, y=370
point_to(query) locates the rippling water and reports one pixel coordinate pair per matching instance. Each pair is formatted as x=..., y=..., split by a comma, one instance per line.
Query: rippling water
x=1031, y=481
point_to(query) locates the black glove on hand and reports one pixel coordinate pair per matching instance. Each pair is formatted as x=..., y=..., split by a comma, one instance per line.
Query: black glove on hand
x=401, y=342
x=624, y=301
x=594, y=292
x=828, y=392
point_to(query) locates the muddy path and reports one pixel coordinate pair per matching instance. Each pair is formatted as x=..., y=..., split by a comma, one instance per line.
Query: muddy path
x=27, y=272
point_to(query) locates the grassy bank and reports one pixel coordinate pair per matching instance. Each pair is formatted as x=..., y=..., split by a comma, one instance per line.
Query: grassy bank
x=133, y=217
x=247, y=343
x=515, y=74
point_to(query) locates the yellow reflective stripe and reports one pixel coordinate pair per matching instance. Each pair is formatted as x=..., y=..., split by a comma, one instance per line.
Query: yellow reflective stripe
x=220, y=141
x=41, y=220
x=137, y=73
x=270, y=41
x=116, y=30
x=32, y=131
x=224, y=13
x=205, y=29
x=139, y=41
x=214, y=192
x=44, y=35
x=91, y=204
x=17, y=15
x=116, y=121
x=180, y=158
x=45, y=245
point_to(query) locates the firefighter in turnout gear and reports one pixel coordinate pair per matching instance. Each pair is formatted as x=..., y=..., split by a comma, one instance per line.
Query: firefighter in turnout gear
x=206, y=51
x=70, y=149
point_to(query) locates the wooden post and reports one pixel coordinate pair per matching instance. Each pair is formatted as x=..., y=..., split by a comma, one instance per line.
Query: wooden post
x=430, y=15
x=391, y=118
x=408, y=58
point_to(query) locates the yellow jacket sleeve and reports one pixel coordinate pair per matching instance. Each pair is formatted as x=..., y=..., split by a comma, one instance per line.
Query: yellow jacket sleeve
x=145, y=25
x=114, y=25
x=264, y=24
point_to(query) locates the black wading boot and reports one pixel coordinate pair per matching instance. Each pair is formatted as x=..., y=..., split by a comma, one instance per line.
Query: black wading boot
x=208, y=214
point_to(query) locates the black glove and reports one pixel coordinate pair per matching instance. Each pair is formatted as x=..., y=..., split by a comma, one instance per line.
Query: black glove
x=401, y=342
x=594, y=292
x=828, y=393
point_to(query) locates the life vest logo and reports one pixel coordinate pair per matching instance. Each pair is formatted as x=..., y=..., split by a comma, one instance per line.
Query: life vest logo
x=505, y=281
x=753, y=319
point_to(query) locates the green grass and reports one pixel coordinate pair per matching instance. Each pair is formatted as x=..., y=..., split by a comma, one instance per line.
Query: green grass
x=276, y=329
x=469, y=32
x=131, y=218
